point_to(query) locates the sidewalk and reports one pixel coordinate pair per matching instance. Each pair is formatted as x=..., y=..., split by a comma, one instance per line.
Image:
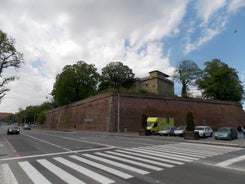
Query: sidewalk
x=240, y=142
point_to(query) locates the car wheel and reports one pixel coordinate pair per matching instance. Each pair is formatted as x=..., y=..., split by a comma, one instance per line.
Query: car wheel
x=211, y=135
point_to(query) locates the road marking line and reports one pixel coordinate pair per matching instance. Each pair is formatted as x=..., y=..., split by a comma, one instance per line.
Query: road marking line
x=103, y=167
x=6, y=175
x=73, y=139
x=230, y=161
x=85, y=171
x=199, y=152
x=53, y=154
x=131, y=162
x=47, y=142
x=12, y=148
x=65, y=176
x=184, y=158
x=142, y=159
x=176, y=152
x=33, y=173
x=212, y=146
x=160, y=155
x=162, y=152
x=124, y=166
x=150, y=157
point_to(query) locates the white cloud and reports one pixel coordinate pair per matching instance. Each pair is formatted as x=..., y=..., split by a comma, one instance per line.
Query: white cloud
x=205, y=9
x=206, y=36
x=212, y=22
x=236, y=4
x=52, y=34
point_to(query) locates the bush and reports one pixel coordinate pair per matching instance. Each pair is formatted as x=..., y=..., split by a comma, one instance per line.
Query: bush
x=190, y=125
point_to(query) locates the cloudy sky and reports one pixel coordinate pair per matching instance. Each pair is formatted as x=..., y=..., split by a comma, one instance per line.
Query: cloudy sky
x=145, y=35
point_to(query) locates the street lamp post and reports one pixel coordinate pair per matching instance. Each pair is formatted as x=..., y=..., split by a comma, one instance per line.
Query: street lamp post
x=118, y=110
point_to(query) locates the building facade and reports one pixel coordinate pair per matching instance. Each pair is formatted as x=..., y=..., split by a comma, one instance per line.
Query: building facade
x=156, y=83
x=108, y=112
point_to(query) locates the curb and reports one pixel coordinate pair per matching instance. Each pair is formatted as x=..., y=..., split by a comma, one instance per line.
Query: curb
x=182, y=140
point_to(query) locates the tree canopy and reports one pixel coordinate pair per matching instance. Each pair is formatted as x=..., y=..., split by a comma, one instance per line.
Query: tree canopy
x=220, y=82
x=9, y=57
x=76, y=82
x=186, y=73
x=116, y=75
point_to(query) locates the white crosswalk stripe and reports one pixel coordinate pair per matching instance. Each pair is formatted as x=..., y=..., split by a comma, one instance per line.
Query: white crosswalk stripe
x=115, y=163
x=84, y=171
x=33, y=173
x=65, y=176
x=131, y=162
x=7, y=175
x=130, y=168
x=160, y=155
x=141, y=159
x=103, y=167
x=230, y=161
x=150, y=157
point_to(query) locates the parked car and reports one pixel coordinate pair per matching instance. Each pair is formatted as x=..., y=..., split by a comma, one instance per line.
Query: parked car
x=167, y=131
x=27, y=127
x=13, y=130
x=228, y=133
x=179, y=131
x=204, y=131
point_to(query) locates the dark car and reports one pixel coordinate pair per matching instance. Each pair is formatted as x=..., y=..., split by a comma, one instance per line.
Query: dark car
x=27, y=127
x=228, y=133
x=13, y=130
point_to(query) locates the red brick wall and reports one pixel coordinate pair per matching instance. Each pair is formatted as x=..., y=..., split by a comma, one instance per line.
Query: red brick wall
x=89, y=114
x=213, y=113
x=100, y=113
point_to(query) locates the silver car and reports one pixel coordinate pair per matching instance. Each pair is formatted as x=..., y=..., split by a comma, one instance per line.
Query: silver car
x=179, y=131
x=167, y=131
x=204, y=131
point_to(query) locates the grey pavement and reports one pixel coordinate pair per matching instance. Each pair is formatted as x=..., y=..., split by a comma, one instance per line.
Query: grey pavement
x=240, y=142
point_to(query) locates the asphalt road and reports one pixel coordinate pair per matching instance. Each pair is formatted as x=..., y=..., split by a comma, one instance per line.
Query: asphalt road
x=44, y=156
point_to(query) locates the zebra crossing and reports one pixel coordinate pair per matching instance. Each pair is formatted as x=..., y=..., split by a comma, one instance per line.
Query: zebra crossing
x=108, y=166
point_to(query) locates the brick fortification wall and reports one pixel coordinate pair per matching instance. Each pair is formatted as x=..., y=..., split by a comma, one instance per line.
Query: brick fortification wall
x=100, y=113
x=89, y=114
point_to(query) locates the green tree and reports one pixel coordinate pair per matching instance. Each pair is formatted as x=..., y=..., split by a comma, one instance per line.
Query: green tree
x=186, y=73
x=76, y=82
x=143, y=121
x=9, y=58
x=190, y=124
x=41, y=118
x=220, y=82
x=116, y=75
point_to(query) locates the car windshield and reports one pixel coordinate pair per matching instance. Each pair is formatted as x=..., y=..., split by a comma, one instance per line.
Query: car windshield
x=223, y=130
x=199, y=128
x=150, y=124
x=181, y=128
